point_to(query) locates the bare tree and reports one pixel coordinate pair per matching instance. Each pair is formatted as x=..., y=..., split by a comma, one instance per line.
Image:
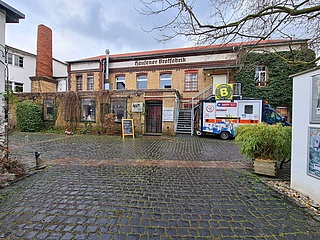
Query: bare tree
x=222, y=21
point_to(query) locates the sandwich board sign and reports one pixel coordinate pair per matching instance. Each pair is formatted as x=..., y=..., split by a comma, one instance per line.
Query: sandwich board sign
x=127, y=127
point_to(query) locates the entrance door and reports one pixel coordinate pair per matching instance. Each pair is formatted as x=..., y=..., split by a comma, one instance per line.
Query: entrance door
x=154, y=117
x=218, y=79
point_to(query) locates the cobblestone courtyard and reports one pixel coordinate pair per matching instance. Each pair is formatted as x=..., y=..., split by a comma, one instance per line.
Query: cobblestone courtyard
x=99, y=187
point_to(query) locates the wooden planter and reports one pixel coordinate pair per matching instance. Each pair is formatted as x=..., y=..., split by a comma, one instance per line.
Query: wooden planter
x=266, y=167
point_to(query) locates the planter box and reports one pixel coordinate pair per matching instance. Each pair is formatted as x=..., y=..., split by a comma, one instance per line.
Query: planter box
x=265, y=167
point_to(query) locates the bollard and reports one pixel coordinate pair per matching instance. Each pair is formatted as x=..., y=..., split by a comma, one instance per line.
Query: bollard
x=39, y=161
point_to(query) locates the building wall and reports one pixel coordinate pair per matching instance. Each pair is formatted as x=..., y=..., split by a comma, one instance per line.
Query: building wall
x=66, y=102
x=59, y=68
x=43, y=84
x=23, y=74
x=301, y=145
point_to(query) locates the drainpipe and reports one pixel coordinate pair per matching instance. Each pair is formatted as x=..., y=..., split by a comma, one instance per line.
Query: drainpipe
x=102, y=74
x=107, y=67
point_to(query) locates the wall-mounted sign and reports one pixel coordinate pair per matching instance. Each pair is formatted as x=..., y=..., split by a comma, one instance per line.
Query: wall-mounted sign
x=137, y=107
x=168, y=114
x=224, y=91
x=314, y=153
x=315, y=98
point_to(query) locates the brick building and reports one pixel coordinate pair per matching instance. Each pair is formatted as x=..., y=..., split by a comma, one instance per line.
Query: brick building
x=158, y=88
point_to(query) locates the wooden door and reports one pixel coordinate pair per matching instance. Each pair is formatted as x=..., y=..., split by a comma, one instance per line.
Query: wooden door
x=154, y=117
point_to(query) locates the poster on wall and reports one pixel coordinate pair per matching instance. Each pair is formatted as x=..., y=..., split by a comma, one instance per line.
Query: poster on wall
x=168, y=114
x=314, y=153
x=315, y=111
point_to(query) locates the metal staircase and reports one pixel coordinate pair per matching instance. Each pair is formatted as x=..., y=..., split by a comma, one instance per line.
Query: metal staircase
x=184, y=121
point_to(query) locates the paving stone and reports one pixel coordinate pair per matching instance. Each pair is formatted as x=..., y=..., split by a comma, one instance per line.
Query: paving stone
x=42, y=235
x=161, y=188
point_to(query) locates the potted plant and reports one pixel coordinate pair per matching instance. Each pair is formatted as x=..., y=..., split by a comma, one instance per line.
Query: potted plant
x=265, y=144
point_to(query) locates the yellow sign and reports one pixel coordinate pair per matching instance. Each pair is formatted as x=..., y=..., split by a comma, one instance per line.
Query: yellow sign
x=224, y=91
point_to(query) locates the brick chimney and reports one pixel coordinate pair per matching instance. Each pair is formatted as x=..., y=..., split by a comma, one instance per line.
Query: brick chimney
x=44, y=52
x=43, y=81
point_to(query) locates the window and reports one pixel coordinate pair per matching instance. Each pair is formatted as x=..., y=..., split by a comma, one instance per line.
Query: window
x=121, y=82
x=9, y=58
x=118, y=107
x=272, y=117
x=191, y=81
x=90, y=83
x=88, y=110
x=18, y=61
x=165, y=80
x=260, y=77
x=248, y=109
x=142, y=82
x=79, y=83
x=9, y=86
x=48, y=109
x=18, y=87
x=15, y=87
x=14, y=60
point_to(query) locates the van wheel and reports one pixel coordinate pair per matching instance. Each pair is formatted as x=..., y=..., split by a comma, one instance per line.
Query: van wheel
x=199, y=133
x=224, y=135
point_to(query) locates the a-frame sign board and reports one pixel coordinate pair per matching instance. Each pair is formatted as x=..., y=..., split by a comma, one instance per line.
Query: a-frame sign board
x=127, y=127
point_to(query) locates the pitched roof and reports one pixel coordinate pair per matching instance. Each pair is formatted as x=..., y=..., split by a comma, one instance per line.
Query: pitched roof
x=12, y=14
x=195, y=49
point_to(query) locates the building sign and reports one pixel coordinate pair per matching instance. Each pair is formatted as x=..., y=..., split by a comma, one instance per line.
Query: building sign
x=314, y=153
x=315, y=113
x=174, y=60
x=137, y=107
x=224, y=91
x=160, y=61
x=168, y=114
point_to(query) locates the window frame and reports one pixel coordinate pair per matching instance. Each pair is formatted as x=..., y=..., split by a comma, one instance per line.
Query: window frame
x=9, y=58
x=118, y=106
x=14, y=86
x=79, y=83
x=191, y=84
x=47, y=102
x=86, y=105
x=18, y=61
x=90, y=84
x=120, y=81
x=261, y=76
x=18, y=86
x=162, y=81
x=142, y=80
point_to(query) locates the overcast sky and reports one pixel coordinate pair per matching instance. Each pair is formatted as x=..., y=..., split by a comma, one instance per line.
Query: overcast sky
x=84, y=28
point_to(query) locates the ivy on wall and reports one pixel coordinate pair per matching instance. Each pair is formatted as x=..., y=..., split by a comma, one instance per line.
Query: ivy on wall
x=278, y=91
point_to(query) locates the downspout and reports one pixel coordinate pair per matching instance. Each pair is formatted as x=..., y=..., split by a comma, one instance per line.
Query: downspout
x=107, y=67
x=102, y=74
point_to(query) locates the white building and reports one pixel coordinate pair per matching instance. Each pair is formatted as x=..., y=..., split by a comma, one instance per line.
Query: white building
x=305, y=159
x=22, y=66
x=8, y=14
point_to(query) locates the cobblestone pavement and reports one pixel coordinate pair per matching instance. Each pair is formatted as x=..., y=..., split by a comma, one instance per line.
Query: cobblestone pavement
x=99, y=187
